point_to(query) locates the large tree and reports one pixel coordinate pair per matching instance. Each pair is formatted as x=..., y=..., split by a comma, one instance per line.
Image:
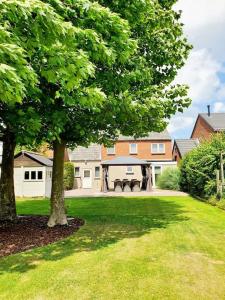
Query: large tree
x=138, y=93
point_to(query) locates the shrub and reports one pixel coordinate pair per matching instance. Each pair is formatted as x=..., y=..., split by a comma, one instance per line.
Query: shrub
x=169, y=179
x=68, y=176
x=198, y=167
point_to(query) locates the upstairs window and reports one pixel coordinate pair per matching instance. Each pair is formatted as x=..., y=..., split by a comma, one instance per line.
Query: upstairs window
x=133, y=148
x=111, y=150
x=158, y=148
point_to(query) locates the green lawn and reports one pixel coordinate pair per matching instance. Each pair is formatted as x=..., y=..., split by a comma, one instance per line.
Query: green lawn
x=129, y=248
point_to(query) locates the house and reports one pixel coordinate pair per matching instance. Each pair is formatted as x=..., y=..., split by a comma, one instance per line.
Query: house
x=182, y=147
x=87, y=167
x=32, y=175
x=156, y=149
x=207, y=124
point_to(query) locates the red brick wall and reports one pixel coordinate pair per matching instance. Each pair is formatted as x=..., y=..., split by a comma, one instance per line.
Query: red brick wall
x=176, y=154
x=202, y=130
x=143, y=150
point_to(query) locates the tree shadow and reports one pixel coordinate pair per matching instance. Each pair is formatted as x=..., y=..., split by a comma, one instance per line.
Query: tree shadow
x=107, y=221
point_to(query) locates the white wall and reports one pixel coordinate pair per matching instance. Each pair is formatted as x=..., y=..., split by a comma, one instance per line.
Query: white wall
x=31, y=188
x=96, y=182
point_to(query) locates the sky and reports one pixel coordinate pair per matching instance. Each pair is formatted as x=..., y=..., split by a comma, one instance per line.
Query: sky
x=204, y=71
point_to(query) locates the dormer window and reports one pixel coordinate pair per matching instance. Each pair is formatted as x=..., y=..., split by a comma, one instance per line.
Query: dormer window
x=133, y=148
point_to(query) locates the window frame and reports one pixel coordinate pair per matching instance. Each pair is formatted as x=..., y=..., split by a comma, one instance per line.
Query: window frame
x=130, y=148
x=77, y=176
x=158, y=150
x=36, y=176
x=99, y=172
x=131, y=171
x=113, y=152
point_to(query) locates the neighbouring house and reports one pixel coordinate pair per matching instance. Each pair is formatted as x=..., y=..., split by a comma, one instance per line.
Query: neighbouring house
x=155, y=149
x=87, y=167
x=182, y=146
x=32, y=175
x=207, y=124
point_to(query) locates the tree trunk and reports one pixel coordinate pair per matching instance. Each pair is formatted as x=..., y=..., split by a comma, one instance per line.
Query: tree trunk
x=7, y=194
x=58, y=212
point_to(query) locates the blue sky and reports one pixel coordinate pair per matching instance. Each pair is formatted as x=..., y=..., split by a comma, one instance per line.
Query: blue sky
x=204, y=72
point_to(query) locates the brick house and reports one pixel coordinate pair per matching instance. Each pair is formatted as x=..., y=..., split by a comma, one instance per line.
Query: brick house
x=156, y=149
x=207, y=124
x=182, y=147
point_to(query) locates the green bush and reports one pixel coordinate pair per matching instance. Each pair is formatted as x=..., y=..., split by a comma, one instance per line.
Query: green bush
x=68, y=176
x=198, y=167
x=169, y=179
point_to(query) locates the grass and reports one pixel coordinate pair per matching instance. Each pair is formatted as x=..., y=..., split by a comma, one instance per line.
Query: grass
x=129, y=248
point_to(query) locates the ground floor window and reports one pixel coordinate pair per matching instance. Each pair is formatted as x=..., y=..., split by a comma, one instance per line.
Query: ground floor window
x=77, y=172
x=33, y=175
x=97, y=172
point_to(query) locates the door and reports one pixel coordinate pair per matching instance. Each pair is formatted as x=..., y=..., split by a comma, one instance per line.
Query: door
x=87, y=179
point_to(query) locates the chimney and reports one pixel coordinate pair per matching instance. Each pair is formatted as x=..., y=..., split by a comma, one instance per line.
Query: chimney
x=209, y=112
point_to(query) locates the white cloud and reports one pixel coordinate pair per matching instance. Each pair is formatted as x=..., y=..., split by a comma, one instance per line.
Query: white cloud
x=201, y=75
x=180, y=123
x=219, y=107
x=205, y=24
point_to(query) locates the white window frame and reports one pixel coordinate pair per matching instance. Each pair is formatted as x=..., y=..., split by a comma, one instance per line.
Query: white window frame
x=76, y=176
x=130, y=171
x=99, y=171
x=136, y=150
x=113, y=152
x=33, y=180
x=158, y=151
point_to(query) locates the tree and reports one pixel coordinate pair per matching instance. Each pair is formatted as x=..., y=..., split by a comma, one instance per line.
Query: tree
x=31, y=34
x=136, y=82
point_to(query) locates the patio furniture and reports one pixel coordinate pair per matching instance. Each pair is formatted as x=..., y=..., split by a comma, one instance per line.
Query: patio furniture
x=136, y=186
x=118, y=186
x=126, y=186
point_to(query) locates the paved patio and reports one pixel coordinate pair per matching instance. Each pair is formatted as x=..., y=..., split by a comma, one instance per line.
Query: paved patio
x=93, y=193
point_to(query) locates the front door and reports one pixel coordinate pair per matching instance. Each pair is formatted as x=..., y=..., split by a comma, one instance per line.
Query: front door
x=87, y=179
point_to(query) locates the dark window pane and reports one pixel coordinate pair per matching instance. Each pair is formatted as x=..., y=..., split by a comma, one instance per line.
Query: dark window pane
x=33, y=175
x=40, y=176
x=26, y=175
x=97, y=171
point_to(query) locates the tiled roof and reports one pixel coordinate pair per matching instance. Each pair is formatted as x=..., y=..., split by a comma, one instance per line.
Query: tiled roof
x=164, y=135
x=185, y=146
x=37, y=157
x=215, y=120
x=93, y=152
x=125, y=160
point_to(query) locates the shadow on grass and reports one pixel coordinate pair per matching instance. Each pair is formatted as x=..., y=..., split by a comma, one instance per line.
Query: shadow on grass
x=108, y=220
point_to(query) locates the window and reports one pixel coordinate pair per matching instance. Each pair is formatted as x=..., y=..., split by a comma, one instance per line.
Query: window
x=40, y=175
x=26, y=175
x=133, y=148
x=97, y=172
x=77, y=172
x=33, y=175
x=158, y=148
x=111, y=150
x=130, y=170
